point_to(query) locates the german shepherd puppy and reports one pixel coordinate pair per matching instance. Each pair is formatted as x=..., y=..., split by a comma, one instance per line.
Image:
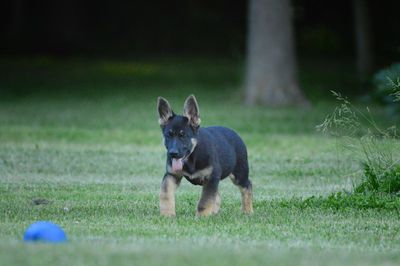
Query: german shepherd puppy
x=204, y=156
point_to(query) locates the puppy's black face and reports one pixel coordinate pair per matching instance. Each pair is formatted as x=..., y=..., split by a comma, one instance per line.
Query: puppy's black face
x=179, y=137
x=179, y=131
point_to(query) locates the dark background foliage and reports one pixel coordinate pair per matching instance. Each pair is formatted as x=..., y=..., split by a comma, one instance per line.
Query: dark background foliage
x=64, y=27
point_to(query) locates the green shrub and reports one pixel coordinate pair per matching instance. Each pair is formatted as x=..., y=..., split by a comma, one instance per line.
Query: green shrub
x=387, y=88
x=341, y=201
x=396, y=93
x=375, y=148
x=380, y=180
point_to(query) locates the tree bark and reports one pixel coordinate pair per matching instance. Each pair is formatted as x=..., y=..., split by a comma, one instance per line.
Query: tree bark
x=362, y=39
x=271, y=71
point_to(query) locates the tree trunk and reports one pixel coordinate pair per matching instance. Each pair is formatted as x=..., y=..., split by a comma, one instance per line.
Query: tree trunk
x=271, y=72
x=363, y=39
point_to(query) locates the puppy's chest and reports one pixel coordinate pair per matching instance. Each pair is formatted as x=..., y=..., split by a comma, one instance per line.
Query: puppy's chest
x=192, y=173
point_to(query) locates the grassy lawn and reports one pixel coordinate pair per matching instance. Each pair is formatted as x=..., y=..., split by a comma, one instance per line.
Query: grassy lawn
x=84, y=136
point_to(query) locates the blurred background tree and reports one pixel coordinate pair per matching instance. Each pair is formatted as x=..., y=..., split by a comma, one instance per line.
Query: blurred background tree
x=364, y=57
x=362, y=34
x=271, y=67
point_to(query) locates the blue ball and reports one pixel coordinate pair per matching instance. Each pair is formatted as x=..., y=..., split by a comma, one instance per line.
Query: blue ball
x=44, y=232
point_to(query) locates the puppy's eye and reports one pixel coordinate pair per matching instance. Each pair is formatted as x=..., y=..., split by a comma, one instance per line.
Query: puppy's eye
x=181, y=134
x=170, y=133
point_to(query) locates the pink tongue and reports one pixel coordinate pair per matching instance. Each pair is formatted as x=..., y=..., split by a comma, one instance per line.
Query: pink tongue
x=177, y=165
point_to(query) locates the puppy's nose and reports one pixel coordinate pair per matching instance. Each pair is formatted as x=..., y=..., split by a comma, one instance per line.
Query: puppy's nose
x=173, y=153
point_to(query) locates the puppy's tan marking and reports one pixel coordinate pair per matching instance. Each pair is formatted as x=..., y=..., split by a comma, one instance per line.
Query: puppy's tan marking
x=167, y=195
x=217, y=204
x=205, y=207
x=247, y=196
x=247, y=200
x=194, y=143
x=209, y=203
x=206, y=172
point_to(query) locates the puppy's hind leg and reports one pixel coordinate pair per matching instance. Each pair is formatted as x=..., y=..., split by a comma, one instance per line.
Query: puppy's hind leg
x=247, y=198
x=217, y=203
x=241, y=179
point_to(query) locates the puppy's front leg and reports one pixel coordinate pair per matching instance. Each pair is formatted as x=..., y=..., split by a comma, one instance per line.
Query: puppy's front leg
x=167, y=194
x=210, y=200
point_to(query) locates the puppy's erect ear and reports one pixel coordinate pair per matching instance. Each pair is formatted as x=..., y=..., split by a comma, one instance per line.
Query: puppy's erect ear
x=191, y=111
x=164, y=111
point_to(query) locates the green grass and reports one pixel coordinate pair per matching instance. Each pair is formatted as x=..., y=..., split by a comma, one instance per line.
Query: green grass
x=84, y=136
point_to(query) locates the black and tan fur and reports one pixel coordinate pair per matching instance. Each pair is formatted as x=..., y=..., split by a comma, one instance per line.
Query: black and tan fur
x=204, y=156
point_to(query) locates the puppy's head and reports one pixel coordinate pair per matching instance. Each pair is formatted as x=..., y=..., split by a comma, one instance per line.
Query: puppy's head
x=179, y=131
